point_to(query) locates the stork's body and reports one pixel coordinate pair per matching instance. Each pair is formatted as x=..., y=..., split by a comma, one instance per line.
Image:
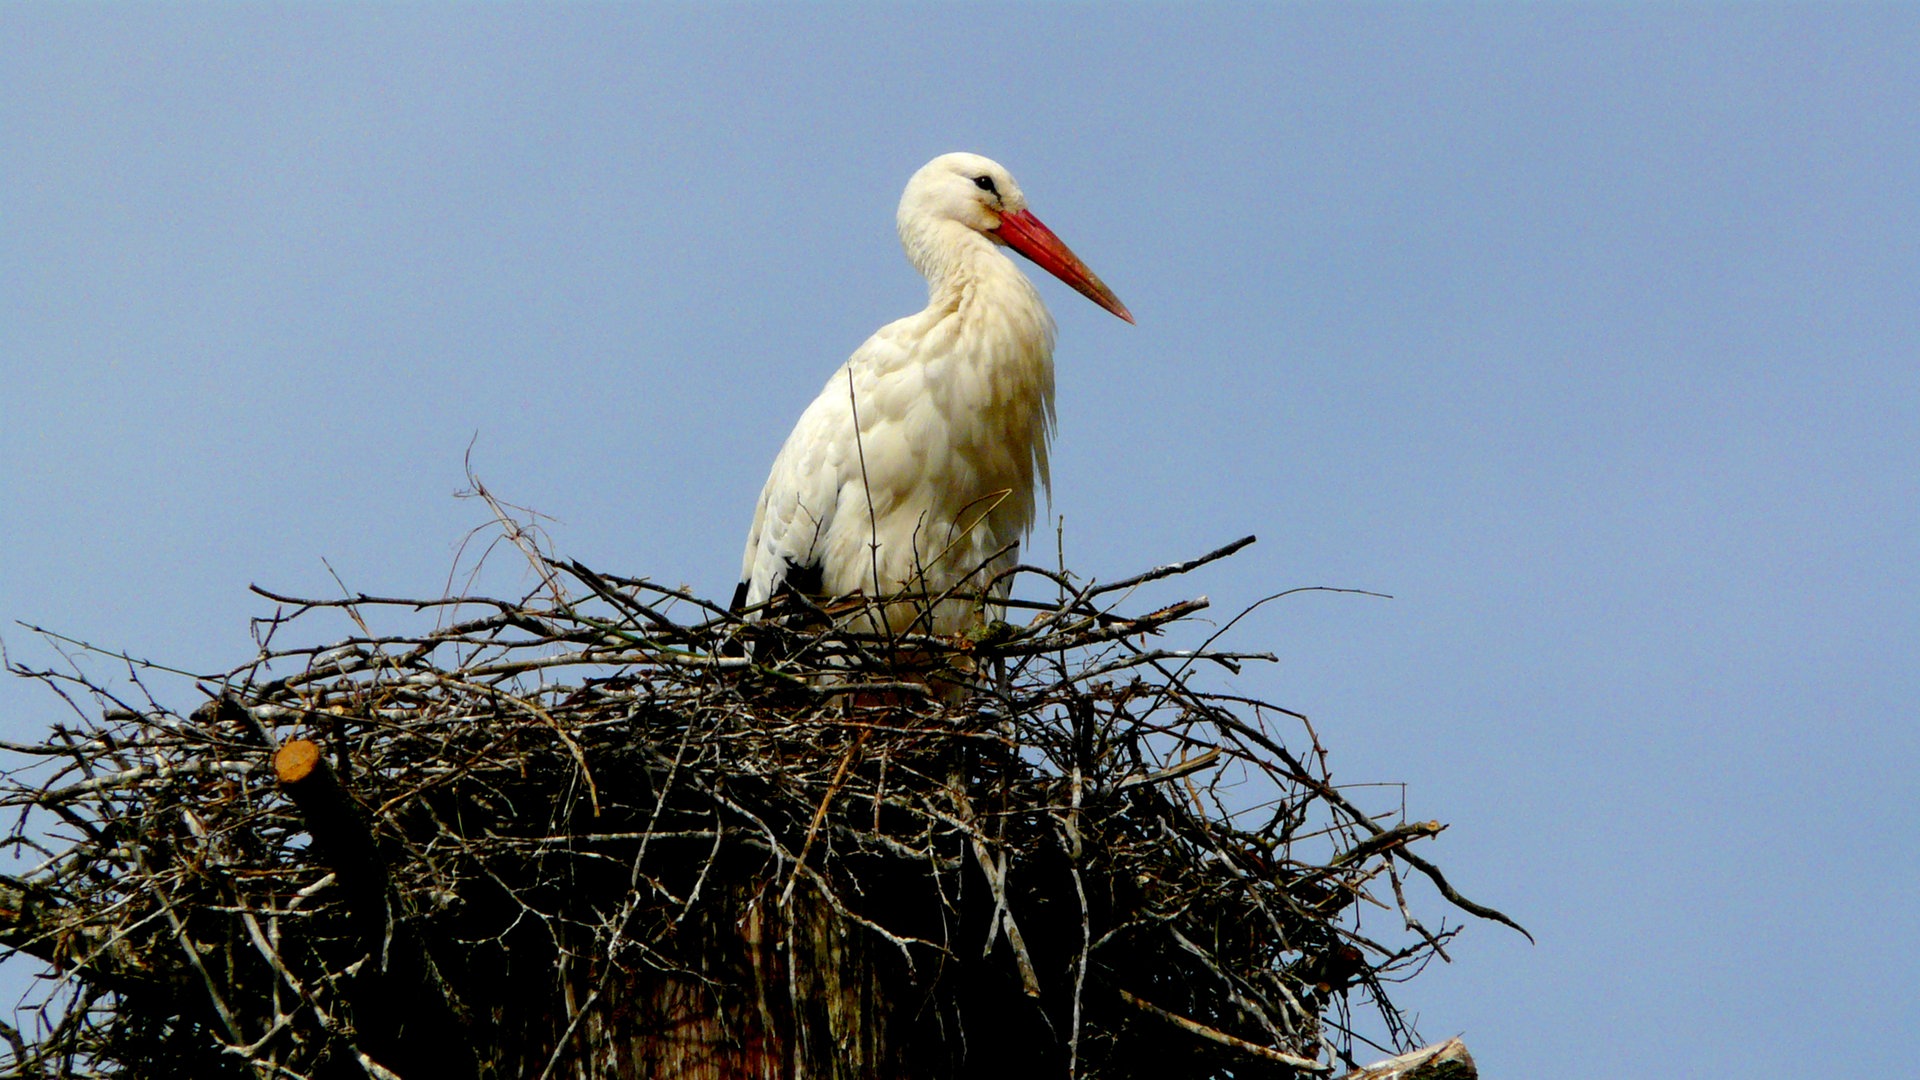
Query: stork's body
x=915, y=469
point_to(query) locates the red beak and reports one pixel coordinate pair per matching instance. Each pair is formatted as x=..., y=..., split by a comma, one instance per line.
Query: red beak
x=1024, y=234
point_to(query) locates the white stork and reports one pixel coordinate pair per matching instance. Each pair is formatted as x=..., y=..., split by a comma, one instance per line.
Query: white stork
x=914, y=469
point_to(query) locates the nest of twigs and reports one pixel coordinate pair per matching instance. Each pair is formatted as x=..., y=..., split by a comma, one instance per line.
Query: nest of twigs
x=611, y=830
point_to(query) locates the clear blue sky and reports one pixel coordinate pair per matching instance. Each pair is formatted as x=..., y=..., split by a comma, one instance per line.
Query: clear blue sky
x=1592, y=334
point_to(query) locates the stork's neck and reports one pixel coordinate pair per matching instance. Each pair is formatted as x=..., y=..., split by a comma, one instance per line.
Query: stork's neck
x=970, y=276
x=988, y=343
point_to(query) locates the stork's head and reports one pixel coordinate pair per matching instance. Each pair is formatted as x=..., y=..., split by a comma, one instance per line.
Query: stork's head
x=979, y=194
x=966, y=188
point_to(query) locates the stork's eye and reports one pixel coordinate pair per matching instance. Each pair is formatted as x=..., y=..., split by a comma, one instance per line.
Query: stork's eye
x=985, y=183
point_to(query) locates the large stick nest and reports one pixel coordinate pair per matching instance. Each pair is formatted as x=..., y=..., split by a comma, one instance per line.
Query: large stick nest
x=610, y=830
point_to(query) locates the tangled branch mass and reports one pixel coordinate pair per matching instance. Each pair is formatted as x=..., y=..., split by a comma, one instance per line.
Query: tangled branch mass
x=610, y=830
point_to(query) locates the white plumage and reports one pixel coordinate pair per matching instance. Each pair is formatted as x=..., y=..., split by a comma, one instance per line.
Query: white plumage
x=914, y=469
